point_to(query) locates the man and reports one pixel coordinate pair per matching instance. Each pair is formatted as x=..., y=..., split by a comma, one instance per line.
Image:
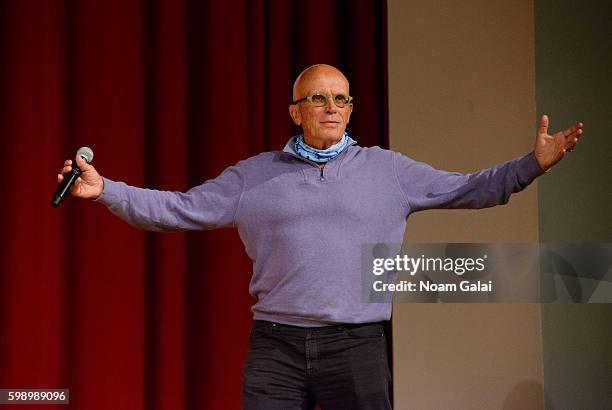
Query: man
x=303, y=214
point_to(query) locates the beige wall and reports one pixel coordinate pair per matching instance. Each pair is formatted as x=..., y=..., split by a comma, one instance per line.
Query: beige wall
x=461, y=97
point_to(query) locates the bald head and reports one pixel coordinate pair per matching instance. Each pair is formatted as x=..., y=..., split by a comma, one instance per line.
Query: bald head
x=322, y=125
x=304, y=82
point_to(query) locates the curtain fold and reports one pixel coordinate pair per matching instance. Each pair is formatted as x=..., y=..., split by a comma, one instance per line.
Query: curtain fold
x=168, y=94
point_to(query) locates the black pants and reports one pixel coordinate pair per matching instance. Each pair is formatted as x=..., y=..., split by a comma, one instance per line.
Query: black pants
x=338, y=367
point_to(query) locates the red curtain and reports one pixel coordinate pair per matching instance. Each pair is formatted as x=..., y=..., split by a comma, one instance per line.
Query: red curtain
x=167, y=93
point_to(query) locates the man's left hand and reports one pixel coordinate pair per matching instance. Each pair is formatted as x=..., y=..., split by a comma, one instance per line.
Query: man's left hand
x=550, y=149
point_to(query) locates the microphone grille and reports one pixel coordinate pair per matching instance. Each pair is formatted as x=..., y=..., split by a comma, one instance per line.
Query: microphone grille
x=86, y=153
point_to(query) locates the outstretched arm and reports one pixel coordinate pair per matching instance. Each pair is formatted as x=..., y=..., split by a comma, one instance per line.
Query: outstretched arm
x=210, y=205
x=424, y=187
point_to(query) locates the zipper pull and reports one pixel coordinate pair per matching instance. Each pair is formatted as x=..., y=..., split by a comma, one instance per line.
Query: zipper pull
x=322, y=176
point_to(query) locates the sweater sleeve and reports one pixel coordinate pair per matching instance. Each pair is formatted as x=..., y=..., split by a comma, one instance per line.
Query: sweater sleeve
x=210, y=205
x=424, y=187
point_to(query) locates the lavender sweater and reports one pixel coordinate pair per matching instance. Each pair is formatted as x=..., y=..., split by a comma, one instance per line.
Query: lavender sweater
x=303, y=226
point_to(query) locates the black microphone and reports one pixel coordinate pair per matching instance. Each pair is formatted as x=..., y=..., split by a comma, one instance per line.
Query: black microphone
x=69, y=179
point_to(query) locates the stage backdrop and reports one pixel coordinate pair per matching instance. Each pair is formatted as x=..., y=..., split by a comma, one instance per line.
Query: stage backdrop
x=168, y=94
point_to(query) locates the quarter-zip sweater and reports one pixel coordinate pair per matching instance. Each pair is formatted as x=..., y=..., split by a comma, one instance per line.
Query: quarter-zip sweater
x=304, y=226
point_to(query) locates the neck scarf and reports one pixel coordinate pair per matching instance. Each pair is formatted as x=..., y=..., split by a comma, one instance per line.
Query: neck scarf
x=319, y=155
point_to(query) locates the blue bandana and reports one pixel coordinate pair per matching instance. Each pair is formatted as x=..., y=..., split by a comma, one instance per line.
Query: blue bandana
x=319, y=155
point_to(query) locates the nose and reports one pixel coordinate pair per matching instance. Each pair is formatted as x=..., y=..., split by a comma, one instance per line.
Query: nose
x=330, y=106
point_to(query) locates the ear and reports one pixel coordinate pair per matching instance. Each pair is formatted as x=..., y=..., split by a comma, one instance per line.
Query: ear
x=294, y=112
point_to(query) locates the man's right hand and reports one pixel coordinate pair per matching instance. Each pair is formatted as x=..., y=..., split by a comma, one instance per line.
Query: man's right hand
x=89, y=185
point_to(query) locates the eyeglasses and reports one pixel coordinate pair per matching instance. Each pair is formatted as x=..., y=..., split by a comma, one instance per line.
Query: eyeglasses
x=319, y=99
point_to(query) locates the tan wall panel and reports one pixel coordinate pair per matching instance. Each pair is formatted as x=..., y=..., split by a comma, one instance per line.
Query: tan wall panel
x=461, y=97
